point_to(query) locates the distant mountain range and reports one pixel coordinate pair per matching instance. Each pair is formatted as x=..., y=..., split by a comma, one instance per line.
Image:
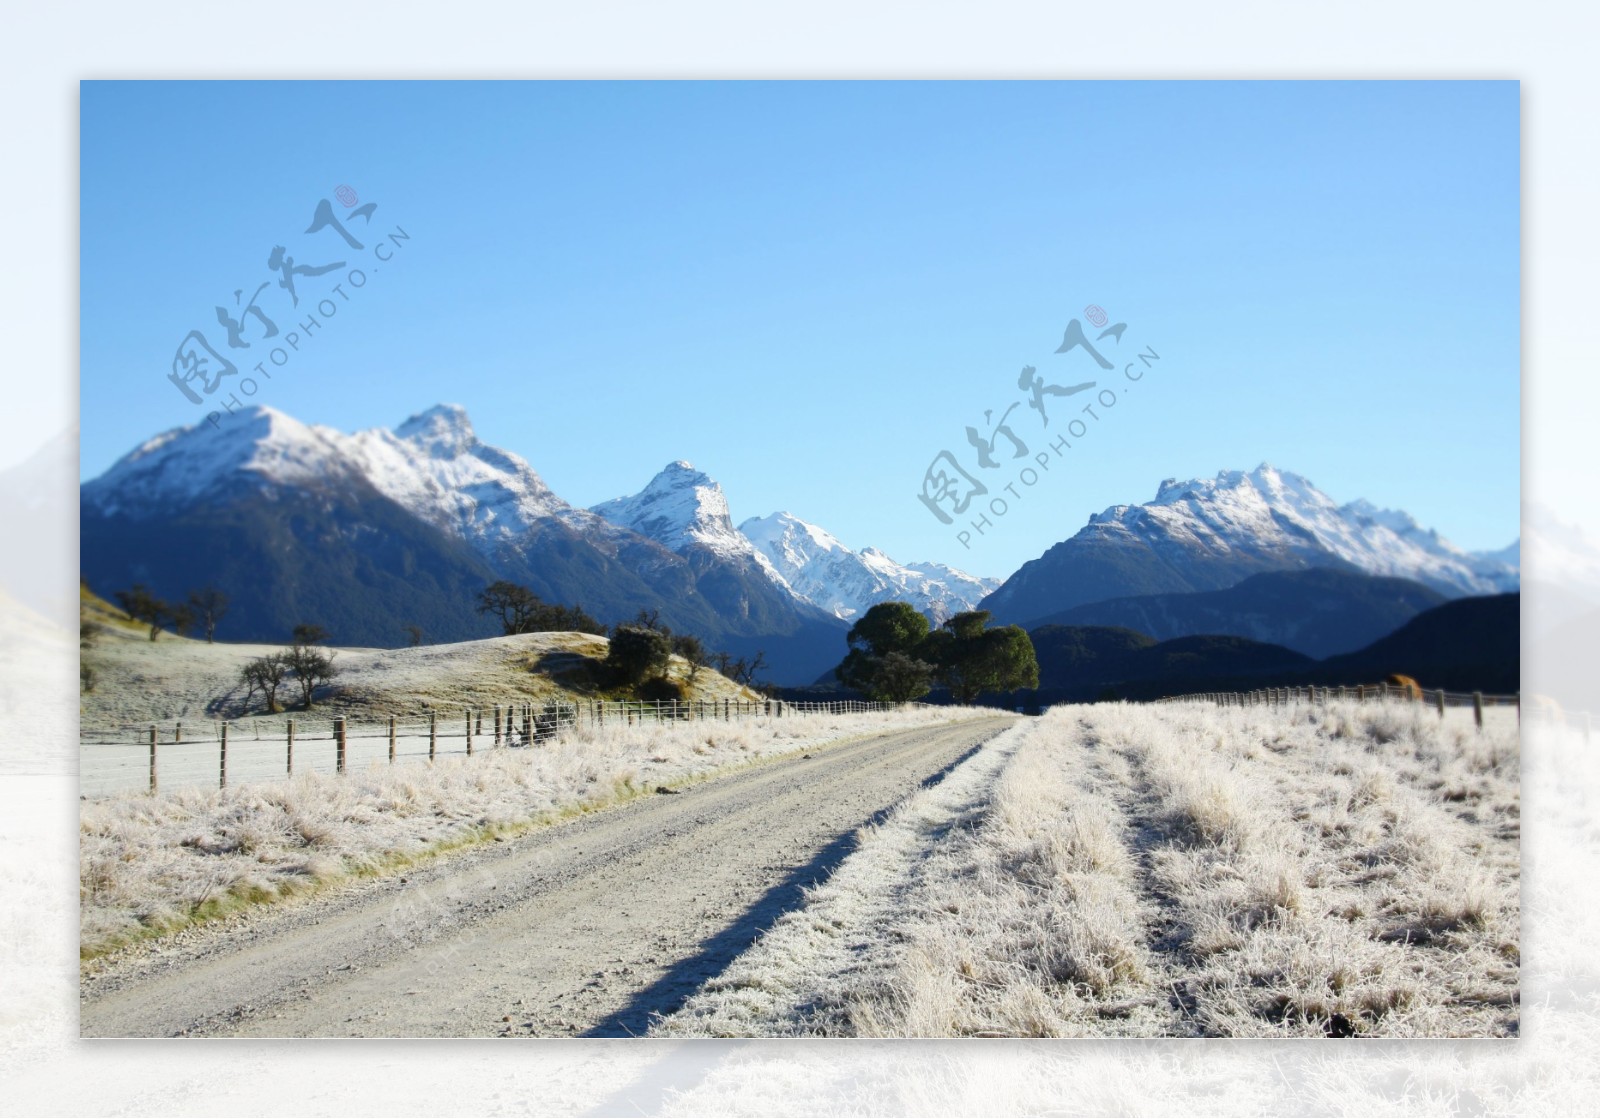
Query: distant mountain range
x=1317, y=612
x=1467, y=644
x=367, y=533
x=1211, y=534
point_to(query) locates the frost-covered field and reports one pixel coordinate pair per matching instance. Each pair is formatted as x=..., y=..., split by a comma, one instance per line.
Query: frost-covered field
x=150, y=864
x=1181, y=870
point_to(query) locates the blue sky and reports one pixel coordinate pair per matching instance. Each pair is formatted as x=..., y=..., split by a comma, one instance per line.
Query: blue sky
x=811, y=289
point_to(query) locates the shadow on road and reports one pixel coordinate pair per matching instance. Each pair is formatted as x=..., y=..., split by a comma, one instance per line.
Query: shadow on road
x=716, y=952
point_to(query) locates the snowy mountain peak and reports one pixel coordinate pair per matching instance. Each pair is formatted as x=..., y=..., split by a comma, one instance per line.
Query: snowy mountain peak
x=184, y=464
x=1272, y=512
x=680, y=508
x=443, y=430
x=432, y=465
x=823, y=571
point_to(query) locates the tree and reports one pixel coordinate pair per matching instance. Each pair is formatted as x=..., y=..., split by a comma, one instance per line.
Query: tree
x=889, y=627
x=522, y=611
x=691, y=649
x=888, y=630
x=142, y=606
x=307, y=634
x=514, y=605
x=182, y=615
x=741, y=670
x=414, y=632
x=637, y=654
x=312, y=668
x=264, y=674
x=972, y=659
x=901, y=678
x=209, y=606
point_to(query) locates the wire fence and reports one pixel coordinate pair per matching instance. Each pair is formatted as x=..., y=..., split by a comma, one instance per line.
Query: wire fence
x=1438, y=699
x=177, y=754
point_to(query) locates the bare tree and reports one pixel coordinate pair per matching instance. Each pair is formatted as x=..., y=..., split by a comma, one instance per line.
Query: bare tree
x=265, y=674
x=182, y=615
x=209, y=606
x=414, y=632
x=312, y=667
x=142, y=606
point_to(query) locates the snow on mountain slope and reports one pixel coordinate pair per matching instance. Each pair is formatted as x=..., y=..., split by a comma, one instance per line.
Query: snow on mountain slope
x=432, y=465
x=821, y=569
x=1273, y=508
x=680, y=507
x=683, y=509
x=1212, y=533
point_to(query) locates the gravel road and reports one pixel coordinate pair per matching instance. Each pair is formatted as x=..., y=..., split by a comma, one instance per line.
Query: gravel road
x=581, y=929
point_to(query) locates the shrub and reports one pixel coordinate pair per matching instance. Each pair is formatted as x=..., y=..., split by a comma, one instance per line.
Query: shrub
x=637, y=655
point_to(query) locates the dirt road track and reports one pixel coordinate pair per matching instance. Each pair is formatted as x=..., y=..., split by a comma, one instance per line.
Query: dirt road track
x=586, y=928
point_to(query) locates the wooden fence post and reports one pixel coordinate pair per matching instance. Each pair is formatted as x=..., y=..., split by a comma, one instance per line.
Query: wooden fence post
x=222, y=757
x=433, y=734
x=469, y=734
x=288, y=749
x=177, y=732
x=1438, y=699
x=338, y=743
x=391, y=739
x=1477, y=709
x=152, y=759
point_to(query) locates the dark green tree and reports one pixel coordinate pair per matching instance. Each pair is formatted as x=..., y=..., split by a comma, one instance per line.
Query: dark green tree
x=637, y=654
x=901, y=678
x=887, y=661
x=972, y=659
x=889, y=627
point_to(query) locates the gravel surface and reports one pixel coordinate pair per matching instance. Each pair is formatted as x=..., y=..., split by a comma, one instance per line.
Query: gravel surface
x=585, y=928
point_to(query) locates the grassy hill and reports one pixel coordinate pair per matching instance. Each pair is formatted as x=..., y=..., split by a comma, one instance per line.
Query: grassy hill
x=139, y=681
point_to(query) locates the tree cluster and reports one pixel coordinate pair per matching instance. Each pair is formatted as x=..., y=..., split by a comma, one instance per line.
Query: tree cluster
x=896, y=657
x=205, y=606
x=301, y=665
x=522, y=611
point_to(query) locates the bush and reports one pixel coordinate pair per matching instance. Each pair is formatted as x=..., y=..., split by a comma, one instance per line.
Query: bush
x=637, y=655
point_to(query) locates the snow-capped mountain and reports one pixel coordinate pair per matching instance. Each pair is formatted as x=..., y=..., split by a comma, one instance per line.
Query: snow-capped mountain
x=366, y=533
x=821, y=569
x=685, y=510
x=432, y=465
x=1211, y=533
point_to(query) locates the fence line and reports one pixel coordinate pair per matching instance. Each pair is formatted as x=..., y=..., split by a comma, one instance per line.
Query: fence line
x=188, y=753
x=1361, y=693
